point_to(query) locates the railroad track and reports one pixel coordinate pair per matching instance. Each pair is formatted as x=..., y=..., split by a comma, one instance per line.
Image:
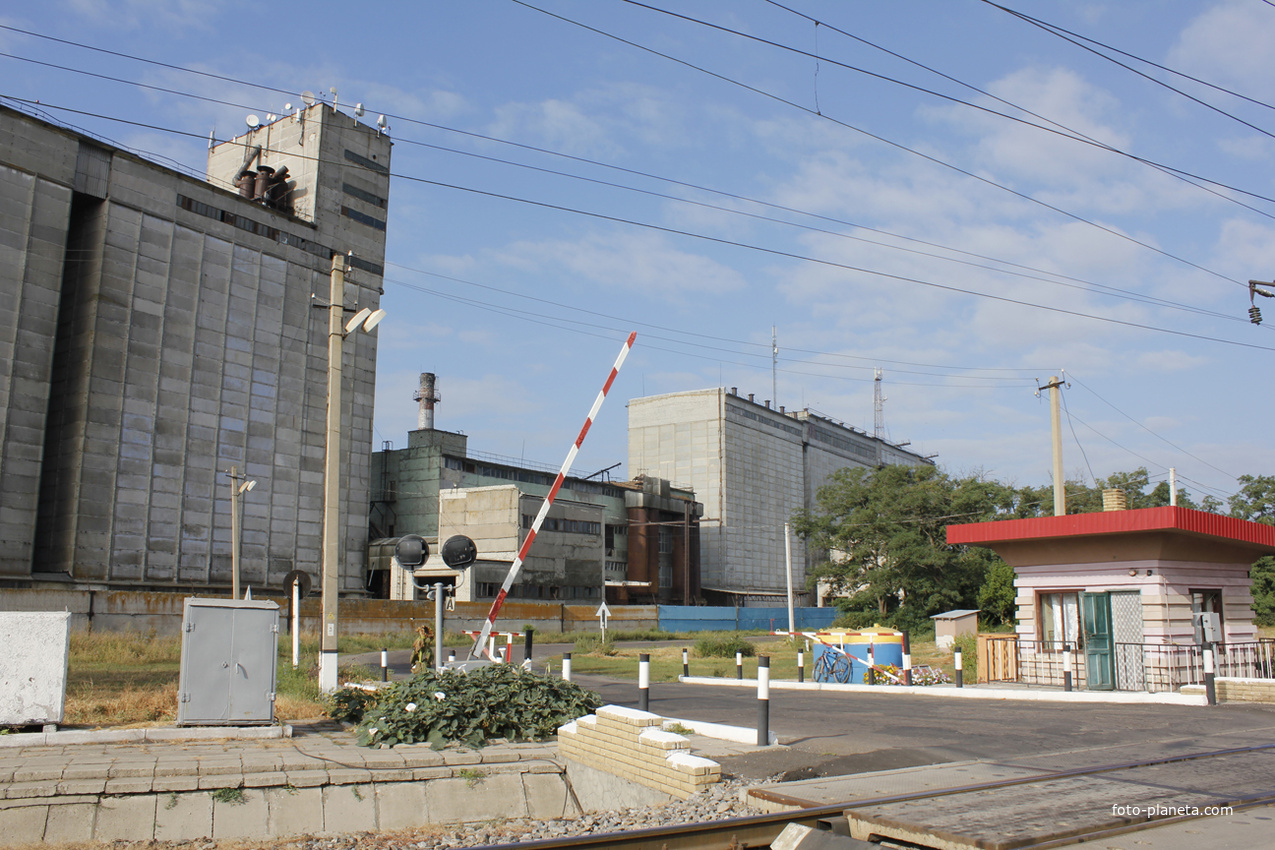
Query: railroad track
x=996, y=799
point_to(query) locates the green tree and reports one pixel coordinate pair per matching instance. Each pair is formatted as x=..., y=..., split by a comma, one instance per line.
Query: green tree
x=996, y=596
x=1255, y=502
x=885, y=532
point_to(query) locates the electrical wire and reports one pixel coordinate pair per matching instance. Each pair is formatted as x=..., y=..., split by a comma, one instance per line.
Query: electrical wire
x=897, y=145
x=731, y=243
x=1072, y=38
x=1056, y=128
x=1164, y=439
x=1053, y=278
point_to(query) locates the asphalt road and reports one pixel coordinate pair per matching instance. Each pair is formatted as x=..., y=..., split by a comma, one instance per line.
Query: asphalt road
x=838, y=733
x=827, y=734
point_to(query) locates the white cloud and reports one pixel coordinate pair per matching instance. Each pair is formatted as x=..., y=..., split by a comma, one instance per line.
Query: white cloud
x=639, y=262
x=1229, y=44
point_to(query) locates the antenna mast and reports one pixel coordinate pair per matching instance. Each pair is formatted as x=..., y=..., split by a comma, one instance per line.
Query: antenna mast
x=774, y=367
x=878, y=407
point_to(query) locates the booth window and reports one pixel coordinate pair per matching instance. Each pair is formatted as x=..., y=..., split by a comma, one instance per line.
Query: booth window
x=1059, y=617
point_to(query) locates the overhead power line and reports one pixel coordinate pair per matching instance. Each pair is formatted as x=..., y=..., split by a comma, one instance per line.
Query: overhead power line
x=897, y=145
x=733, y=243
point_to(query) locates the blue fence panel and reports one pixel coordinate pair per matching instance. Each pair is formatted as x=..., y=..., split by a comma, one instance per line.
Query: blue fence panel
x=690, y=618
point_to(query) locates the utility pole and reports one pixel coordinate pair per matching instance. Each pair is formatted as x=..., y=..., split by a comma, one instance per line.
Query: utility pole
x=332, y=481
x=1055, y=416
x=366, y=319
x=236, y=525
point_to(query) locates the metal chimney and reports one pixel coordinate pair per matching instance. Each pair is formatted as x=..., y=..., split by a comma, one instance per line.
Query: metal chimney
x=426, y=396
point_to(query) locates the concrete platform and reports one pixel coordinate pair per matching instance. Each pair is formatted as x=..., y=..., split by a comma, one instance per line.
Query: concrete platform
x=220, y=783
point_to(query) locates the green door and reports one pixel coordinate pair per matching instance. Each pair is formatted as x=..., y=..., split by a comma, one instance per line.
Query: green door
x=1095, y=617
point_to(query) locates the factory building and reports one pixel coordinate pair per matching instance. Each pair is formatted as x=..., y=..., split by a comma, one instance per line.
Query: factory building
x=625, y=541
x=158, y=329
x=751, y=466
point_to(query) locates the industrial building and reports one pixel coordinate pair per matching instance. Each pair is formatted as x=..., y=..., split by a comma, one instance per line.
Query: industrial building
x=752, y=466
x=159, y=330
x=625, y=541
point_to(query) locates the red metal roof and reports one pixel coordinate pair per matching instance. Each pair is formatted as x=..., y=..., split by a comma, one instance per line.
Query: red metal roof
x=1144, y=520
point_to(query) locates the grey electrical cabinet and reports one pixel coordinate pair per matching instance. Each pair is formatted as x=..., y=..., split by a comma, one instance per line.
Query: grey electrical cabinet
x=229, y=661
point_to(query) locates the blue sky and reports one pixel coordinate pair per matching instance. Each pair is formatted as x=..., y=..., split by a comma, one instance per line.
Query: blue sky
x=569, y=170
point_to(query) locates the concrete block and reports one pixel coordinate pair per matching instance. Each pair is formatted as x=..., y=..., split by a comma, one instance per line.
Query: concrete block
x=400, y=805
x=294, y=811
x=246, y=817
x=597, y=790
x=461, y=800
x=548, y=796
x=349, y=808
x=125, y=818
x=183, y=817
x=23, y=824
x=68, y=822
x=33, y=666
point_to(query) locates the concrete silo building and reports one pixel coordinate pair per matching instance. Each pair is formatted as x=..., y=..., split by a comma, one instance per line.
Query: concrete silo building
x=158, y=329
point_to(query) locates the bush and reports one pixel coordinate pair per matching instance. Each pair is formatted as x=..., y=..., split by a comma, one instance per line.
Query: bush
x=969, y=655
x=349, y=705
x=472, y=708
x=723, y=646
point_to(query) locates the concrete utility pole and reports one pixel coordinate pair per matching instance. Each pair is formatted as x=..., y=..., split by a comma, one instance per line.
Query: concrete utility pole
x=236, y=525
x=1055, y=416
x=332, y=481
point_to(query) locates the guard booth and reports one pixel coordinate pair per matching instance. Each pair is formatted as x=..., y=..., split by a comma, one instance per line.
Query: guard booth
x=229, y=662
x=1122, y=589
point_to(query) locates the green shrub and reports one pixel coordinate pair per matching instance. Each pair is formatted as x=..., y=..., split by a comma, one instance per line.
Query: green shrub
x=472, y=708
x=723, y=645
x=349, y=705
x=969, y=656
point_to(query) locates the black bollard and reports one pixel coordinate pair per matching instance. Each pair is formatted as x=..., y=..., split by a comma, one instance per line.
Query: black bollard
x=763, y=700
x=907, y=660
x=801, y=666
x=385, y=665
x=528, y=639
x=739, y=665
x=1067, y=666
x=686, y=663
x=644, y=682
x=1210, y=686
x=960, y=673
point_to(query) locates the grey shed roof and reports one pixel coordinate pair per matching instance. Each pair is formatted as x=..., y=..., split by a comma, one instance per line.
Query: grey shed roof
x=955, y=615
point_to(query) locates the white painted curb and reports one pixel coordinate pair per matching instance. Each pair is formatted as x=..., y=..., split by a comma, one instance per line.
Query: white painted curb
x=976, y=692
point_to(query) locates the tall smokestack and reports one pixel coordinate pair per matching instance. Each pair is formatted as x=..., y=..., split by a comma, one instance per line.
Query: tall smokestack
x=426, y=396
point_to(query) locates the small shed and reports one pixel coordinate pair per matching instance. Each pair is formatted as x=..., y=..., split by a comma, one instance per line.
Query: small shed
x=950, y=625
x=1123, y=587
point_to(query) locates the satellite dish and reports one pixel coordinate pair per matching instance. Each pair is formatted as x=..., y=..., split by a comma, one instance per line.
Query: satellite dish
x=381, y=122
x=411, y=550
x=459, y=552
x=253, y=121
x=287, y=107
x=271, y=117
x=357, y=319
x=358, y=110
x=307, y=97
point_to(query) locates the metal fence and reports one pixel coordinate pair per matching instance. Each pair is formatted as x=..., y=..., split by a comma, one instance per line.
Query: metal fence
x=1137, y=666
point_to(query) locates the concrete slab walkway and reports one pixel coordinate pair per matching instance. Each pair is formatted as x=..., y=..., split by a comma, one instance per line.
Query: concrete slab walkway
x=316, y=782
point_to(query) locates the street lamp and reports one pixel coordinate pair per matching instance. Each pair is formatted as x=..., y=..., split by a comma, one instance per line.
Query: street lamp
x=365, y=319
x=236, y=524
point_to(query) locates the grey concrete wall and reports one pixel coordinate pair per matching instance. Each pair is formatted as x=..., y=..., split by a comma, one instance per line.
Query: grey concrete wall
x=33, y=219
x=186, y=343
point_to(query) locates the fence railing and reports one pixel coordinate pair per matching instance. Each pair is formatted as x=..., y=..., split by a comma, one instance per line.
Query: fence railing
x=1136, y=666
